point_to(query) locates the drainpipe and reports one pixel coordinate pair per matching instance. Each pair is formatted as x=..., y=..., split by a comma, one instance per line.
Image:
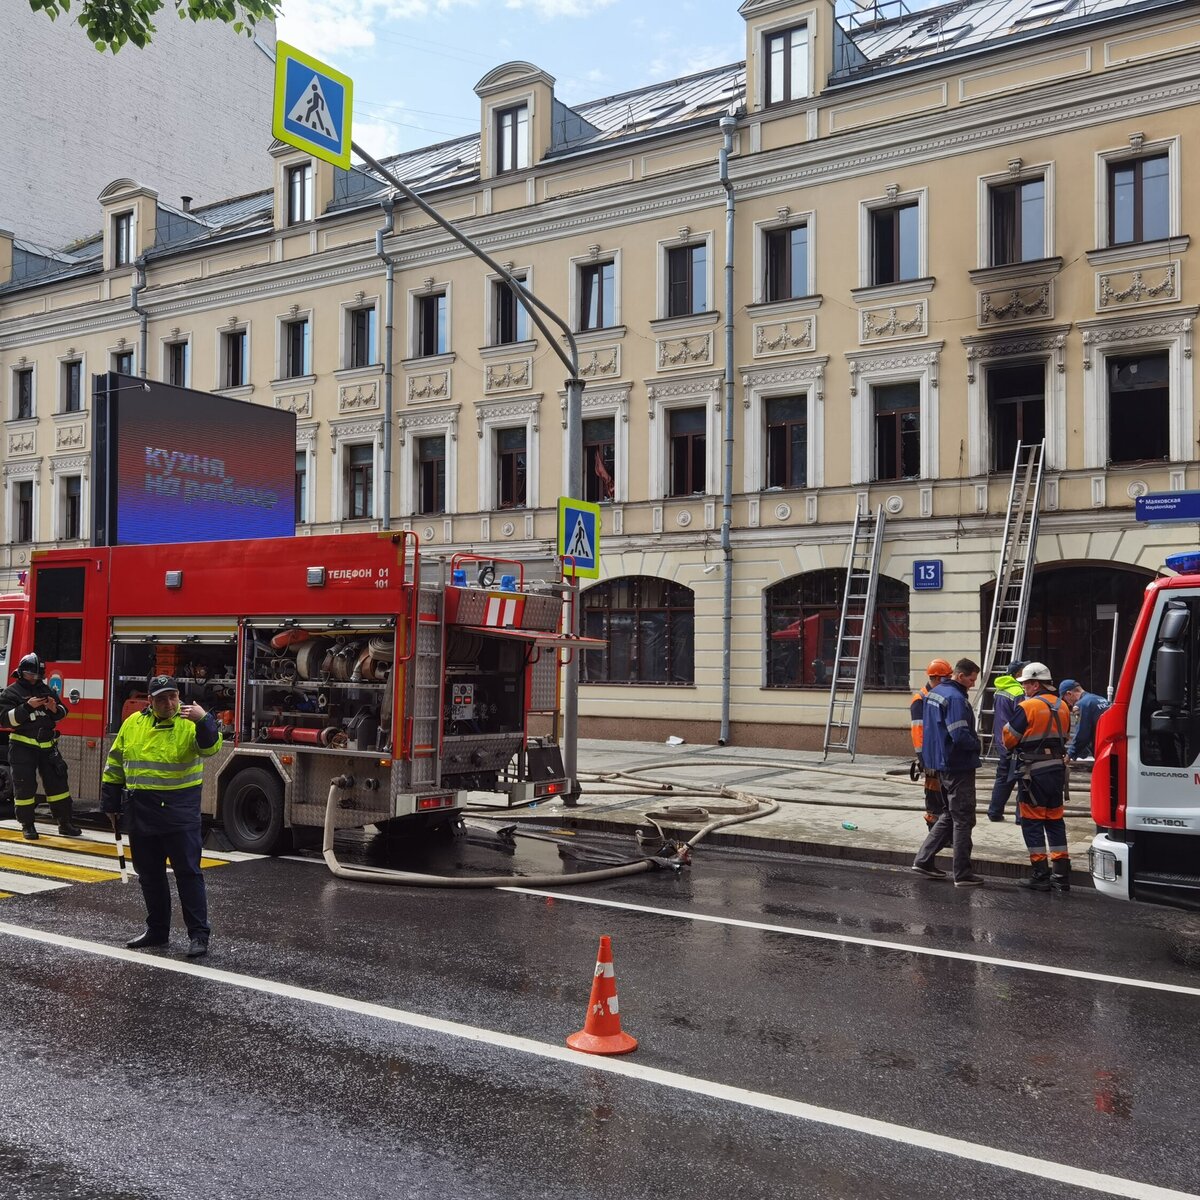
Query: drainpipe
x=389, y=226
x=728, y=124
x=135, y=291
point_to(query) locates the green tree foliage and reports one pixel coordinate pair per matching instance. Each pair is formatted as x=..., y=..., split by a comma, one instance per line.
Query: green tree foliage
x=111, y=23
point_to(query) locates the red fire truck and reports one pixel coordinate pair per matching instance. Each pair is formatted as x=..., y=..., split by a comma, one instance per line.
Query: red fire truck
x=321, y=656
x=1146, y=779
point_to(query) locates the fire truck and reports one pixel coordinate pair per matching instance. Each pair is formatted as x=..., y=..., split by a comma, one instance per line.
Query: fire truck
x=1146, y=778
x=344, y=655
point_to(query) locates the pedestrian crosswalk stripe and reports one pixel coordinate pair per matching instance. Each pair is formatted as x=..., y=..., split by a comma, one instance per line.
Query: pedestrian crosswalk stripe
x=27, y=885
x=54, y=870
x=81, y=849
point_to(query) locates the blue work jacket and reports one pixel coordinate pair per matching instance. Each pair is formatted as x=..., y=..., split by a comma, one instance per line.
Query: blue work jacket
x=951, y=744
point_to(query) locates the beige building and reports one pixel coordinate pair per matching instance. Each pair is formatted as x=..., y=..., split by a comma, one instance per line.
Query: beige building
x=954, y=230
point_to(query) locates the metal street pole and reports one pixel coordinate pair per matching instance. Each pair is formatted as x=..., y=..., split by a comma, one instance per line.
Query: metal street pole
x=570, y=359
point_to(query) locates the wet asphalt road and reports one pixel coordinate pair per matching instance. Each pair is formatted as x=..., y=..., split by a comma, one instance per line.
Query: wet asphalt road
x=118, y=1080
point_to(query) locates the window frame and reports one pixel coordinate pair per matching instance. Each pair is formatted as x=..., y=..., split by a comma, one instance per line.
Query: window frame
x=893, y=417
x=63, y=500
x=419, y=423
x=354, y=315
x=421, y=301
x=1137, y=148
x=115, y=364
x=122, y=226
x=771, y=382
x=498, y=456
x=703, y=391
x=18, y=372
x=171, y=347
x=866, y=227
x=667, y=256
x=16, y=484
x=790, y=94
x=419, y=472
x=507, y=414
x=299, y=200
x=285, y=363
x=225, y=361
x=1018, y=173
x=498, y=310
x=512, y=146
x=763, y=276
x=597, y=266
x=306, y=437
x=608, y=585
x=358, y=477
x=70, y=397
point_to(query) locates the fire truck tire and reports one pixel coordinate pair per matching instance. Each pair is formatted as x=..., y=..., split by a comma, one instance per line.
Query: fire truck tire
x=252, y=812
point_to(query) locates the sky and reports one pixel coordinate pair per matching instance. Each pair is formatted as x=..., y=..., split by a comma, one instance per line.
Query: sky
x=415, y=63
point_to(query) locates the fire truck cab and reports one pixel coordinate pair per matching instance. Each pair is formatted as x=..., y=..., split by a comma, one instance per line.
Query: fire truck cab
x=1146, y=779
x=345, y=655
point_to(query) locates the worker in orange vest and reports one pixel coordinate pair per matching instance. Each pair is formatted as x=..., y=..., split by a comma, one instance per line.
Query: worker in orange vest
x=935, y=804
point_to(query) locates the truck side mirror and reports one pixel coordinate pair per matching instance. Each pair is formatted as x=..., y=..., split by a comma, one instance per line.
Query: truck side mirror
x=1170, y=674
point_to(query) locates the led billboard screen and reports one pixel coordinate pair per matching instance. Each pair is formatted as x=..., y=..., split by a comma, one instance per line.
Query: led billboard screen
x=176, y=465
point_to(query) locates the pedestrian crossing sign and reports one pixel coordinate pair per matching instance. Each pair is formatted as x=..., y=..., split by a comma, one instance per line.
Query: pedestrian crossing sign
x=313, y=103
x=579, y=537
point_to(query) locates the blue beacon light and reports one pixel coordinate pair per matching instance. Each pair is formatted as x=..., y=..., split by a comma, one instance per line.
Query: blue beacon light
x=1186, y=563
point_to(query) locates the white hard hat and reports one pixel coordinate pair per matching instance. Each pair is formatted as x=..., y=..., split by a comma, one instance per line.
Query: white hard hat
x=1034, y=670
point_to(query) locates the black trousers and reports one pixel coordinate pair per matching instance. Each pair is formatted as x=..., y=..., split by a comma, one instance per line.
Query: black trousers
x=151, y=852
x=25, y=763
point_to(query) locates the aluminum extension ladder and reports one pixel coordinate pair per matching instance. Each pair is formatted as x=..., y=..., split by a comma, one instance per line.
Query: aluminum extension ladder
x=854, y=633
x=1014, y=579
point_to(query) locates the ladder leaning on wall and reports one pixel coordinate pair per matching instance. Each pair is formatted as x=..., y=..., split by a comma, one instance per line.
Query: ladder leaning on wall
x=854, y=633
x=1014, y=579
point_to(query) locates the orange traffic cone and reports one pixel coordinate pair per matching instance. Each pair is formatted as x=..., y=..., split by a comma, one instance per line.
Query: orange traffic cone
x=601, y=1032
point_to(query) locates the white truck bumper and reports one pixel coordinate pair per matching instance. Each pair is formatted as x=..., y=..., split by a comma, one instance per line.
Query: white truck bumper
x=1108, y=861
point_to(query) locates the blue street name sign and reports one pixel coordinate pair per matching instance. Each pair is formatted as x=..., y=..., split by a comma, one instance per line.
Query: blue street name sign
x=927, y=575
x=1168, y=506
x=313, y=103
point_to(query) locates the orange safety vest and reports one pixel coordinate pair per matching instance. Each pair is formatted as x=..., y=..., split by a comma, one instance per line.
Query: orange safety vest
x=916, y=715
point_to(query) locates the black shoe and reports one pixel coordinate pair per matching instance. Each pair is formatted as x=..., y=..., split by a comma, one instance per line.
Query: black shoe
x=197, y=947
x=928, y=872
x=70, y=831
x=29, y=832
x=1035, y=883
x=998, y=817
x=145, y=941
x=971, y=880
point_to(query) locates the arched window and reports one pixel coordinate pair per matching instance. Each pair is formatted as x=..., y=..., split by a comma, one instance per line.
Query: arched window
x=649, y=625
x=802, y=625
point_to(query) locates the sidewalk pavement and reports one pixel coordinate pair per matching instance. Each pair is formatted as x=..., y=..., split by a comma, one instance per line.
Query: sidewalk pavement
x=867, y=810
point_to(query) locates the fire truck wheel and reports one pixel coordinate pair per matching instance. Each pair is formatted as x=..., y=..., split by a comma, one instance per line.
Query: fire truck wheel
x=252, y=812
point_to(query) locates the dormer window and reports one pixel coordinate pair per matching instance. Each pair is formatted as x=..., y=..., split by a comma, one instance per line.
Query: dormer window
x=122, y=239
x=512, y=138
x=299, y=194
x=785, y=52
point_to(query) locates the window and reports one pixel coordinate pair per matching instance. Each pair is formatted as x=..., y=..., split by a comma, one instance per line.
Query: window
x=1139, y=200
x=70, y=507
x=1016, y=400
x=1018, y=221
x=122, y=362
x=649, y=627
x=786, y=261
x=177, y=363
x=233, y=359
x=431, y=475
x=897, y=430
x=72, y=386
x=802, y=615
x=687, y=280
x=431, y=325
x=299, y=194
x=512, y=138
x=510, y=468
x=301, y=486
x=122, y=239
x=510, y=319
x=895, y=244
x=23, y=394
x=1138, y=407
x=360, y=482
x=599, y=459
x=787, y=442
x=596, y=296
x=297, y=349
x=786, y=57
x=23, y=511
x=362, y=340
x=688, y=451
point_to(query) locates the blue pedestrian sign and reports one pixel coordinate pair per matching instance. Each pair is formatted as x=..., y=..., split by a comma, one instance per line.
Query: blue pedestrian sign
x=927, y=575
x=1168, y=506
x=313, y=103
x=579, y=537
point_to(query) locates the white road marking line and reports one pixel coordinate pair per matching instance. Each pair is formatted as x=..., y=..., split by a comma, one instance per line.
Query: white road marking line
x=1112, y=1185
x=106, y=839
x=26, y=885
x=821, y=935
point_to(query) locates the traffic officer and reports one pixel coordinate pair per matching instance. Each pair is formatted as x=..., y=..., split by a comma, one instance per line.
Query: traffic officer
x=1036, y=738
x=33, y=709
x=938, y=672
x=157, y=762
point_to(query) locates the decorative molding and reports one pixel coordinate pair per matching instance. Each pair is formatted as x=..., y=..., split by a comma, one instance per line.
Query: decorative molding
x=886, y=323
x=435, y=386
x=783, y=512
x=1130, y=288
x=24, y=442
x=22, y=470
x=441, y=420
x=358, y=396
x=914, y=359
x=894, y=504
x=508, y=376
x=505, y=410
x=601, y=363
x=68, y=437
x=1000, y=347
x=299, y=403
x=1137, y=487
x=1175, y=324
x=695, y=387
x=601, y=402
x=681, y=352
x=683, y=518
x=1032, y=303
x=784, y=337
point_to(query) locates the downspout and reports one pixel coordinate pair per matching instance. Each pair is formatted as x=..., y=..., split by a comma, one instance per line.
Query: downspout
x=728, y=123
x=389, y=226
x=135, y=291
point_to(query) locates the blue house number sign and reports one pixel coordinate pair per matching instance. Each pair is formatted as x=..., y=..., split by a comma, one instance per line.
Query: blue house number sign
x=927, y=575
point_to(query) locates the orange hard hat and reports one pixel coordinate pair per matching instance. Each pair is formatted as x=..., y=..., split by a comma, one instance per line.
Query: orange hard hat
x=939, y=666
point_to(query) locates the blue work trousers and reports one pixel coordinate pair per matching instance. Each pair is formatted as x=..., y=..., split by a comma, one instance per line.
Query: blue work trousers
x=151, y=853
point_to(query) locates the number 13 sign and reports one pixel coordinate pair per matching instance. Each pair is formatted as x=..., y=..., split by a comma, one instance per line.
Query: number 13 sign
x=927, y=575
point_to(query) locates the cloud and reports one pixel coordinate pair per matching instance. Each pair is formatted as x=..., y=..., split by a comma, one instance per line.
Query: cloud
x=549, y=9
x=691, y=60
x=328, y=26
x=377, y=138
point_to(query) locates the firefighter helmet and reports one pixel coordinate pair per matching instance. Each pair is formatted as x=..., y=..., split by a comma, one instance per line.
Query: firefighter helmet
x=32, y=665
x=1034, y=671
x=939, y=667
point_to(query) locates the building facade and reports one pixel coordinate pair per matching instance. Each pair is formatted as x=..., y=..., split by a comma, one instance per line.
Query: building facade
x=953, y=231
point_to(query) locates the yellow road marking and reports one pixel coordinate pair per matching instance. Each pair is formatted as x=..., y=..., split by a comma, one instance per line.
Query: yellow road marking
x=38, y=866
x=5, y=895
x=83, y=846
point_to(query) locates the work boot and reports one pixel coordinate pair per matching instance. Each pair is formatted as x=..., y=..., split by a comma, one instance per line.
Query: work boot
x=29, y=829
x=60, y=810
x=1039, y=878
x=1061, y=881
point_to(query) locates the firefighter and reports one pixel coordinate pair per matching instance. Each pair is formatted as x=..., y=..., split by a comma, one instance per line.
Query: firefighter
x=157, y=761
x=31, y=707
x=938, y=672
x=1007, y=695
x=1036, y=738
